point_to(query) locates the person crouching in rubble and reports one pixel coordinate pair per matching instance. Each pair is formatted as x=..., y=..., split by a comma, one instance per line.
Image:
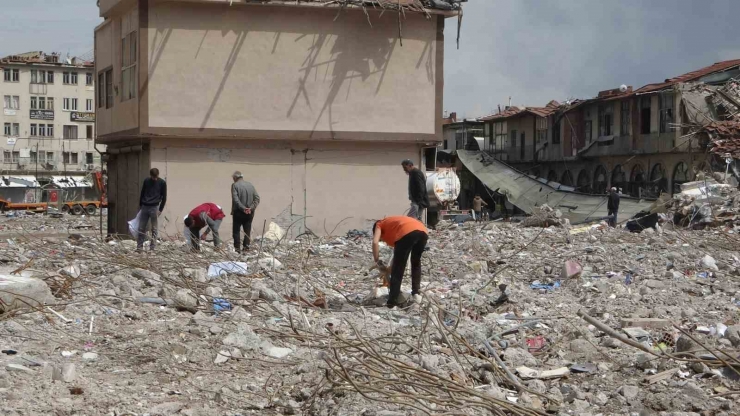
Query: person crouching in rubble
x=203, y=215
x=407, y=236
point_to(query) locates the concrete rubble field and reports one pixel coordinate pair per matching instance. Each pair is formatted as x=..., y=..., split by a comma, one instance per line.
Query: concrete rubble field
x=514, y=320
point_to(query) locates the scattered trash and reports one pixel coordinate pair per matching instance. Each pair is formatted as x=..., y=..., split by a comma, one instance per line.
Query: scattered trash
x=221, y=305
x=227, y=267
x=546, y=286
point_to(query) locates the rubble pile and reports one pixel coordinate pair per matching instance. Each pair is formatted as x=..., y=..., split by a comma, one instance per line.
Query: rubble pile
x=706, y=203
x=514, y=320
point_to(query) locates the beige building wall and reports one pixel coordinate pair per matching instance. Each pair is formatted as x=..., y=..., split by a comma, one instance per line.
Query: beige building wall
x=331, y=185
x=303, y=73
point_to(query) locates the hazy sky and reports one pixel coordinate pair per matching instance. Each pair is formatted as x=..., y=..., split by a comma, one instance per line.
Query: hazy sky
x=531, y=50
x=539, y=50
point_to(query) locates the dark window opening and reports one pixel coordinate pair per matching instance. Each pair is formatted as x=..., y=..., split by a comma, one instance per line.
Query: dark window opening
x=521, y=143
x=556, y=133
x=645, y=115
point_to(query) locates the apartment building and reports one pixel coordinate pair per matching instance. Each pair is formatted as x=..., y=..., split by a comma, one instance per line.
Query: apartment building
x=638, y=140
x=48, y=123
x=316, y=106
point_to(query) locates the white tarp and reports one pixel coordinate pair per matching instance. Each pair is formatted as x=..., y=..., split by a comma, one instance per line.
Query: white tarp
x=227, y=267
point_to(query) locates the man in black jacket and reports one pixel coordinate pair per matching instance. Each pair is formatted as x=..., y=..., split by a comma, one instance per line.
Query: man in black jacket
x=417, y=190
x=151, y=203
x=612, y=206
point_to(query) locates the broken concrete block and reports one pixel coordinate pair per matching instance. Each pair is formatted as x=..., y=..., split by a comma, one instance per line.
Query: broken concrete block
x=150, y=278
x=90, y=356
x=244, y=338
x=18, y=368
x=479, y=266
x=629, y=392
x=274, y=233
x=529, y=373
x=277, y=352
x=270, y=263
x=199, y=275
x=71, y=271
x=222, y=357
x=519, y=356
x=708, y=262
x=265, y=292
x=186, y=300
x=17, y=292
x=655, y=323
x=66, y=373
x=571, y=270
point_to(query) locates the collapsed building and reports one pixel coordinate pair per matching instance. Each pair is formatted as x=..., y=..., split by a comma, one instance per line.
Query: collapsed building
x=316, y=102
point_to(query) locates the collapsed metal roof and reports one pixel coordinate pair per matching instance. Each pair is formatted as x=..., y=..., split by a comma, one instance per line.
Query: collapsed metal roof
x=527, y=193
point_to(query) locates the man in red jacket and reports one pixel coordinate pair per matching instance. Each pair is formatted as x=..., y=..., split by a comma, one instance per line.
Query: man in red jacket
x=208, y=214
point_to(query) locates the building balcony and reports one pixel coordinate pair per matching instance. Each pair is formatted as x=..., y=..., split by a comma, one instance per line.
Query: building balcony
x=609, y=146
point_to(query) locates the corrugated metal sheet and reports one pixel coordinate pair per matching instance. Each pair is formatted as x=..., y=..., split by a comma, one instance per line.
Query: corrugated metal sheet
x=527, y=194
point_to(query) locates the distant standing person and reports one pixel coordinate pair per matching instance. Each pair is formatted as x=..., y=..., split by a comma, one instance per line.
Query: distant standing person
x=208, y=214
x=406, y=236
x=612, y=206
x=417, y=190
x=478, y=204
x=151, y=203
x=244, y=201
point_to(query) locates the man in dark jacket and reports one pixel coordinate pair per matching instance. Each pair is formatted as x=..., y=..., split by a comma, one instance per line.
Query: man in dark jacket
x=208, y=214
x=244, y=201
x=612, y=206
x=417, y=190
x=151, y=203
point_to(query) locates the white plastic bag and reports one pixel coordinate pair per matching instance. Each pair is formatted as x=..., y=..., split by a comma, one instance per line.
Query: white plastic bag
x=133, y=225
x=226, y=267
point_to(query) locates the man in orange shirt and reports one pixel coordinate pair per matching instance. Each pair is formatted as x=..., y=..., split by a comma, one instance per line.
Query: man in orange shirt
x=407, y=236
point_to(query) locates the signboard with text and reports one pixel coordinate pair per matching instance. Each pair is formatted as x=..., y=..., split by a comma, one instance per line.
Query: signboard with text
x=42, y=114
x=82, y=117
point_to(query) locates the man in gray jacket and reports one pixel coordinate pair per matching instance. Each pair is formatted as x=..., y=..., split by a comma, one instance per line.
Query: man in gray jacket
x=244, y=201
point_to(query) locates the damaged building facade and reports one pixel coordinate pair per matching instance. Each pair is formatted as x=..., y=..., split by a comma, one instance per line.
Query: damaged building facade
x=643, y=141
x=316, y=105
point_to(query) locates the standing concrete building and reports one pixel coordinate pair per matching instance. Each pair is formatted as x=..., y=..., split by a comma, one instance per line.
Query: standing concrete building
x=48, y=124
x=313, y=103
x=639, y=140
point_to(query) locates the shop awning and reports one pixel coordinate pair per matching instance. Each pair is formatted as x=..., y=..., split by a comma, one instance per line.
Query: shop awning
x=19, y=181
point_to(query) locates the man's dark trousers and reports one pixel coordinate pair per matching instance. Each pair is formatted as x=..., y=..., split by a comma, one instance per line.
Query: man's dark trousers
x=242, y=221
x=412, y=243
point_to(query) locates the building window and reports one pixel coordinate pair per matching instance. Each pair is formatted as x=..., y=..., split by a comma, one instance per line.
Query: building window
x=625, y=118
x=541, y=130
x=42, y=130
x=75, y=158
x=50, y=77
x=109, y=88
x=513, y=139
x=37, y=78
x=665, y=103
x=42, y=103
x=49, y=157
x=89, y=131
x=100, y=88
x=521, y=146
x=444, y=146
x=645, y=115
x=89, y=104
x=556, y=133
x=11, y=102
x=7, y=158
x=34, y=130
x=12, y=129
x=606, y=120
x=7, y=74
x=34, y=103
x=89, y=79
x=69, y=104
x=128, y=69
x=69, y=78
x=34, y=157
x=70, y=132
x=50, y=103
x=65, y=157
x=89, y=158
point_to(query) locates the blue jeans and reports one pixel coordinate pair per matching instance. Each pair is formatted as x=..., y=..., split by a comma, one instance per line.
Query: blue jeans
x=416, y=211
x=148, y=213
